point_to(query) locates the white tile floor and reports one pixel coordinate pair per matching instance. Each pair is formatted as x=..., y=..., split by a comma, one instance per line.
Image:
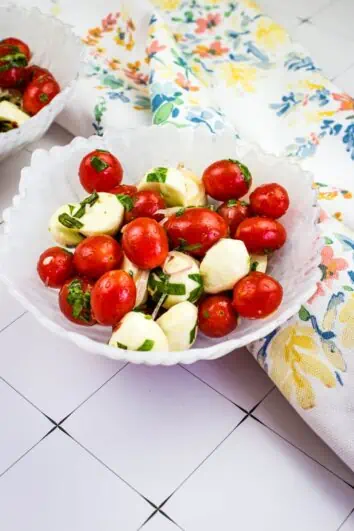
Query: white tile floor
x=88, y=444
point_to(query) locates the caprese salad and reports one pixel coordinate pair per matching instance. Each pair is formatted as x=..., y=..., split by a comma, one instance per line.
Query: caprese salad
x=24, y=88
x=158, y=262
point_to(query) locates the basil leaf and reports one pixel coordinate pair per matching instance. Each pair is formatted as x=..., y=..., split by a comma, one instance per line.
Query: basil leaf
x=244, y=170
x=175, y=289
x=122, y=346
x=71, y=208
x=206, y=314
x=13, y=60
x=232, y=202
x=98, y=164
x=79, y=301
x=44, y=98
x=158, y=175
x=146, y=346
x=192, y=334
x=89, y=201
x=198, y=291
x=254, y=266
x=69, y=222
x=184, y=246
x=126, y=201
x=147, y=316
x=180, y=212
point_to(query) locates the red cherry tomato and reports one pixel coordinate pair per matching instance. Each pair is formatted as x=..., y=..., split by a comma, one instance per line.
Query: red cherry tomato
x=19, y=46
x=269, y=200
x=75, y=301
x=12, y=78
x=227, y=179
x=112, y=297
x=12, y=67
x=144, y=205
x=124, y=189
x=233, y=212
x=145, y=243
x=55, y=266
x=261, y=235
x=216, y=316
x=39, y=93
x=257, y=295
x=195, y=230
x=100, y=171
x=35, y=71
x=96, y=255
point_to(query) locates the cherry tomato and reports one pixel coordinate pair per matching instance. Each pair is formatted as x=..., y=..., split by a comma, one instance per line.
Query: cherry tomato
x=12, y=67
x=257, y=295
x=55, y=266
x=195, y=230
x=96, y=255
x=216, y=316
x=144, y=205
x=100, y=171
x=12, y=78
x=269, y=200
x=233, y=212
x=39, y=93
x=35, y=71
x=19, y=46
x=227, y=179
x=112, y=297
x=261, y=235
x=75, y=301
x=125, y=189
x=145, y=243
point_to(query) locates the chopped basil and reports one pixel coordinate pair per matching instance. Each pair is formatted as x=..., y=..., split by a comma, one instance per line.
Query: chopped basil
x=122, y=346
x=146, y=346
x=180, y=212
x=131, y=273
x=196, y=292
x=69, y=222
x=147, y=316
x=161, y=285
x=7, y=125
x=71, y=208
x=232, y=202
x=13, y=60
x=158, y=175
x=244, y=170
x=175, y=289
x=89, y=201
x=254, y=266
x=206, y=314
x=126, y=201
x=43, y=98
x=184, y=246
x=192, y=334
x=98, y=164
x=79, y=300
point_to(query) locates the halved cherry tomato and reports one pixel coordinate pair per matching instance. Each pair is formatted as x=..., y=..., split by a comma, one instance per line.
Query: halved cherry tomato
x=195, y=230
x=227, y=179
x=100, y=171
x=19, y=45
x=113, y=296
x=144, y=204
x=145, y=243
x=257, y=295
x=124, y=189
x=233, y=212
x=96, y=255
x=269, y=200
x=75, y=301
x=55, y=266
x=39, y=93
x=12, y=67
x=35, y=71
x=216, y=316
x=261, y=235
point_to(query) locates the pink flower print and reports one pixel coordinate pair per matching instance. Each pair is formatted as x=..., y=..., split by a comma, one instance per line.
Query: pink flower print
x=318, y=293
x=154, y=48
x=185, y=83
x=215, y=49
x=109, y=21
x=331, y=266
x=208, y=23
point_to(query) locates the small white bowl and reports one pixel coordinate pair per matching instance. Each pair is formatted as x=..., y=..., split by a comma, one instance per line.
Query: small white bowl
x=52, y=180
x=54, y=46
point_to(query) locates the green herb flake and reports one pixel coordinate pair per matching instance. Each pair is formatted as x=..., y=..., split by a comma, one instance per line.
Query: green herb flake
x=131, y=273
x=43, y=98
x=180, y=212
x=244, y=170
x=126, y=201
x=69, y=222
x=254, y=266
x=98, y=164
x=192, y=334
x=175, y=289
x=71, y=209
x=122, y=346
x=206, y=314
x=79, y=300
x=146, y=346
x=88, y=201
x=232, y=202
x=198, y=291
x=158, y=175
x=184, y=246
x=147, y=316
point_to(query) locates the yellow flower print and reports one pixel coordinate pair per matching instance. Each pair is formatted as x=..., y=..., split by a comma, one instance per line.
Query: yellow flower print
x=338, y=216
x=328, y=196
x=294, y=359
x=240, y=74
x=346, y=316
x=251, y=4
x=270, y=34
x=167, y=4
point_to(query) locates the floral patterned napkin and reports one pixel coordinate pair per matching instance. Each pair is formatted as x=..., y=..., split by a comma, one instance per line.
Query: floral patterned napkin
x=218, y=64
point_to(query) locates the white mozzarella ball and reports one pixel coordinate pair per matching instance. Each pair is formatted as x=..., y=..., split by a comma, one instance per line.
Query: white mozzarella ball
x=224, y=265
x=259, y=262
x=195, y=191
x=141, y=279
x=104, y=216
x=168, y=181
x=61, y=234
x=9, y=111
x=137, y=331
x=179, y=324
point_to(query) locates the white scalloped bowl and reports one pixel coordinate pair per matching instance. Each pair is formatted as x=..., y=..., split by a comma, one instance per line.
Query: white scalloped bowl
x=54, y=46
x=52, y=180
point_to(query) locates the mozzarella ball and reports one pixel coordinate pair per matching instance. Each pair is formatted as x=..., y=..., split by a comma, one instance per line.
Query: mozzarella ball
x=137, y=331
x=105, y=216
x=179, y=324
x=259, y=262
x=169, y=182
x=179, y=278
x=195, y=191
x=61, y=234
x=141, y=279
x=10, y=112
x=224, y=265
